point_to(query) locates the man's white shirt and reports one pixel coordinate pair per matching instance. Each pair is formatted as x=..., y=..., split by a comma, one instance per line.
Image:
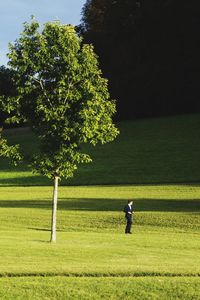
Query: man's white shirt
x=130, y=208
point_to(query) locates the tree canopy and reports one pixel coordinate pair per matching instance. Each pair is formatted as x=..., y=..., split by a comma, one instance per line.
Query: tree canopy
x=61, y=94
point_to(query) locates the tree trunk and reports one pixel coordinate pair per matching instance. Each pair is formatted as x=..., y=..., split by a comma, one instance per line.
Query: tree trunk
x=54, y=210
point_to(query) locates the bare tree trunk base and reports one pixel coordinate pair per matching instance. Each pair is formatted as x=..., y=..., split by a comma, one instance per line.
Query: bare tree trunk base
x=54, y=210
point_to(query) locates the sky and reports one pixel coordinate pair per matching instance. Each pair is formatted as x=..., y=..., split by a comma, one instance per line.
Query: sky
x=13, y=13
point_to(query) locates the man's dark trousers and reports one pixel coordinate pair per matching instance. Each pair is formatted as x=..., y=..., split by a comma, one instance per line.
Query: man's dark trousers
x=129, y=223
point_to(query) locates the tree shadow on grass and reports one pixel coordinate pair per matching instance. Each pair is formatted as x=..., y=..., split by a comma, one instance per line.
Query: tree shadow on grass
x=46, y=229
x=103, y=204
x=38, y=180
x=39, y=229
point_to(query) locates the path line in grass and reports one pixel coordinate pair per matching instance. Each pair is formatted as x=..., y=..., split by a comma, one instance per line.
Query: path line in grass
x=94, y=275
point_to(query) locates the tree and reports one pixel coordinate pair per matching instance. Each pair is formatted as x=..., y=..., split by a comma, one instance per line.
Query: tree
x=150, y=59
x=113, y=28
x=6, y=87
x=110, y=16
x=62, y=96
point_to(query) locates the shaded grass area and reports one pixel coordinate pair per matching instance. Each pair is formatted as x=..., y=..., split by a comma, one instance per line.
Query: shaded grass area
x=96, y=204
x=147, y=151
x=58, y=288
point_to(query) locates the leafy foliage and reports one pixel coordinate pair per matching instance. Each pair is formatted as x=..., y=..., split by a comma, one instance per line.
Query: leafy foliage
x=11, y=152
x=61, y=94
x=110, y=16
x=7, y=88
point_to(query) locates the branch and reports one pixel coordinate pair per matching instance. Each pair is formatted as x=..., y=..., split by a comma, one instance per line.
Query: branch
x=70, y=85
x=42, y=87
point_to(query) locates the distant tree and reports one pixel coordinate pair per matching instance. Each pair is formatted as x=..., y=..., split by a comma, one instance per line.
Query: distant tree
x=6, y=83
x=148, y=51
x=7, y=87
x=113, y=28
x=62, y=96
x=110, y=16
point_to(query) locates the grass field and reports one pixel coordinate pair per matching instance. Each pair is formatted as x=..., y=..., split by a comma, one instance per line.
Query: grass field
x=93, y=258
x=161, y=258
x=150, y=151
x=62, y=288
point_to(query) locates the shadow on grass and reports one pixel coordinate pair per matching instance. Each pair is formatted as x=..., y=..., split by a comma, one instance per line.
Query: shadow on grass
x=47, y=230
x=40, y=229
x=82, y=180
x=96, y=204
x=25, y=181
x=41, y=241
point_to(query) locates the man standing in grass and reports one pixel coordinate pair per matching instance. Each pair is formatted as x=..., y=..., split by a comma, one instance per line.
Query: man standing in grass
x=128, y=215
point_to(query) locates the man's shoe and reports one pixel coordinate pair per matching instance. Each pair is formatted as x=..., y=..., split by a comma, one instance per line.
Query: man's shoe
x=130, y=232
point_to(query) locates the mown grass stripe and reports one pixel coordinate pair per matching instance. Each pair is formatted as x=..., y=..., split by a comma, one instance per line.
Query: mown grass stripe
x=99, y=275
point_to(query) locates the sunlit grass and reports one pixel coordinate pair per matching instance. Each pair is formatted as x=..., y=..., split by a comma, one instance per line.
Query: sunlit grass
x=62, y=288
x=91, y=237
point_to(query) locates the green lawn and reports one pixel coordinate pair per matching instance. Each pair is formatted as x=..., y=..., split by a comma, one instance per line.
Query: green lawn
x=164, y=150
x=163, y=250
x=62, y=288
x=93, y=258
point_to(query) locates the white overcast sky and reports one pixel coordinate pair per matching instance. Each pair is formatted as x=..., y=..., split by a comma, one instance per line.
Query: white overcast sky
x=13, y=13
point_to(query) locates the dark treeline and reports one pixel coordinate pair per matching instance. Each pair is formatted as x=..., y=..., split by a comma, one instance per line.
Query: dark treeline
x=6, y=88
x=148, y=51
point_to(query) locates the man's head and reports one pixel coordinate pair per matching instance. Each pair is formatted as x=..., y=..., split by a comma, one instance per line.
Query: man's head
x=130, y=202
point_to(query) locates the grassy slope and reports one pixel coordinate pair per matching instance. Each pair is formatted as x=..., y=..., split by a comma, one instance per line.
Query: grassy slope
x=147, y=151
x=90, y=220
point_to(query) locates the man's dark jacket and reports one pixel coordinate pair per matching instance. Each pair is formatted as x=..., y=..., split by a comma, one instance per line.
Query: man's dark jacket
x=128, y=210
